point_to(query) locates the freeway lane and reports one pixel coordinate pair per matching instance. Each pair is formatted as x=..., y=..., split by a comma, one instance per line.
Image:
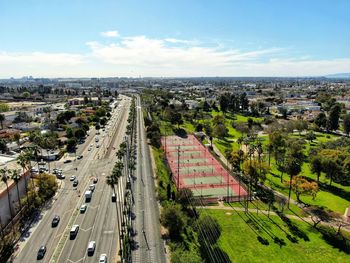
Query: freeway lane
x=99, y=223
x=149, y=241
x=67, y=198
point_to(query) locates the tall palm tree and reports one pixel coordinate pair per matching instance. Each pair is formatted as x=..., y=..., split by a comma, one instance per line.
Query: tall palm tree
x=16, y=177
x=4, y=178
x=23, y=160
x=2, y=118
x=29, y=154
x=112, y=181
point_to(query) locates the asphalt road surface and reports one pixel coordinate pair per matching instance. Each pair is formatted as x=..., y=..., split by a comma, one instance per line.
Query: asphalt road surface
x=150, y=246
x=98, y=223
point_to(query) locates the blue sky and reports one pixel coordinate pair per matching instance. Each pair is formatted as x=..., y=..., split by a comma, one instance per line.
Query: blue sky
x=174, y=38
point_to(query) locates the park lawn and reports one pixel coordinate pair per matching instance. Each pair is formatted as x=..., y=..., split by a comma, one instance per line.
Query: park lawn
x=324, y=198
x=188, y=127
x=240, y=240
x=162, y=173
x=293, y=209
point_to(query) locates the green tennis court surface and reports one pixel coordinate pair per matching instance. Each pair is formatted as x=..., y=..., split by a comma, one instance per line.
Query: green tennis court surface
x=197, y=169
x=183, y=147
x=193, y=161
x=204, y=180
x=189, y=153
x=212, y=192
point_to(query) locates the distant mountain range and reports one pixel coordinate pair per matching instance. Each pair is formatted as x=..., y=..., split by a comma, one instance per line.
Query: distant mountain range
x=339, y=76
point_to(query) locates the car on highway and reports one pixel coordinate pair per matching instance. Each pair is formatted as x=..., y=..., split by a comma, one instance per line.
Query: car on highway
x=41, y=252
x=55, y=221
x=114, y=198
x=91, y=248
x=103, y=258
x=91, y=187
x=95, y=180
x=79, y=157
x=72, y=178
x=74, y=231
x=75, y=183
x=83, y=208
x=67, y=161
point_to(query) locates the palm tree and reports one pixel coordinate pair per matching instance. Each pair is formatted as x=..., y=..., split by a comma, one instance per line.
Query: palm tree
x=16, y=177
x=29, y=154
x=120, y=154
x=4, y=178
x=112, y=181
x=2, y=118
x=23, y=160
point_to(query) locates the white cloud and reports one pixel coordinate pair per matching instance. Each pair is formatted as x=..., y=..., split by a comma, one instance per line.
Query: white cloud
x=169, y=57
x=113, y=33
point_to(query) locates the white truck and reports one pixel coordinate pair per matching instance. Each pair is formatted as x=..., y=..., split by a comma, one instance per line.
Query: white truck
x=88, y=195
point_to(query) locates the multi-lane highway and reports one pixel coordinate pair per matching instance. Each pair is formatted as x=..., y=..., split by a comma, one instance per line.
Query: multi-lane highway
x=99, y=222
x=150, y=246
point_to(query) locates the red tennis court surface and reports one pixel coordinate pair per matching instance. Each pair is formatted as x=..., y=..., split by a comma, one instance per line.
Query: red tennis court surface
x=194, y=167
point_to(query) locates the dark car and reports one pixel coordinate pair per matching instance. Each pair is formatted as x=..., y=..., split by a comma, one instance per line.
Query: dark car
x=75, y=183
x=55, y=221
x=67, y=161
x=41, y=252
x=80, y=157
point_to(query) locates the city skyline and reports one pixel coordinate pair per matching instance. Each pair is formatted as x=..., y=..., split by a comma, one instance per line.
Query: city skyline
x=182, y=39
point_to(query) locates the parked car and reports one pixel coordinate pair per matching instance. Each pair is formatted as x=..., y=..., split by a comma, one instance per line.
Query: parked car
x=55, y=221
x=79, y=157
x=41, y=252
x=95, y=180
x=67, y=161
x=72, y=178
x=92, y=187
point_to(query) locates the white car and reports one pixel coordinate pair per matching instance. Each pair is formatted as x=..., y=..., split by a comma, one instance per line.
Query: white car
x=83, y=208
x=91, y=187
x=90, y=148
x=91, y=248
x=103, y=258
x=72, y=178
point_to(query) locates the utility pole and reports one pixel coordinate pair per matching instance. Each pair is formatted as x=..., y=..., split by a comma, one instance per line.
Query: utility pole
x=178, y=167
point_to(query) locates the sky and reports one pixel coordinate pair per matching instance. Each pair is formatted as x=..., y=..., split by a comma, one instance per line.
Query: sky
x=179, y=38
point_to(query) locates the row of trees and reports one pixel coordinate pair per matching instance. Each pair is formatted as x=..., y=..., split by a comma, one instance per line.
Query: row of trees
x=125, y=165
x=333, y=161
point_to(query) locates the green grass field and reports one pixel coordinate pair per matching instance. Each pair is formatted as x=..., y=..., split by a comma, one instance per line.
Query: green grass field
x=239, y=239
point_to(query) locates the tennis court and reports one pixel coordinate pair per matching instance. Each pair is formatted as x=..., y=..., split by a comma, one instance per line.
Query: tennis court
x=194, y=167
